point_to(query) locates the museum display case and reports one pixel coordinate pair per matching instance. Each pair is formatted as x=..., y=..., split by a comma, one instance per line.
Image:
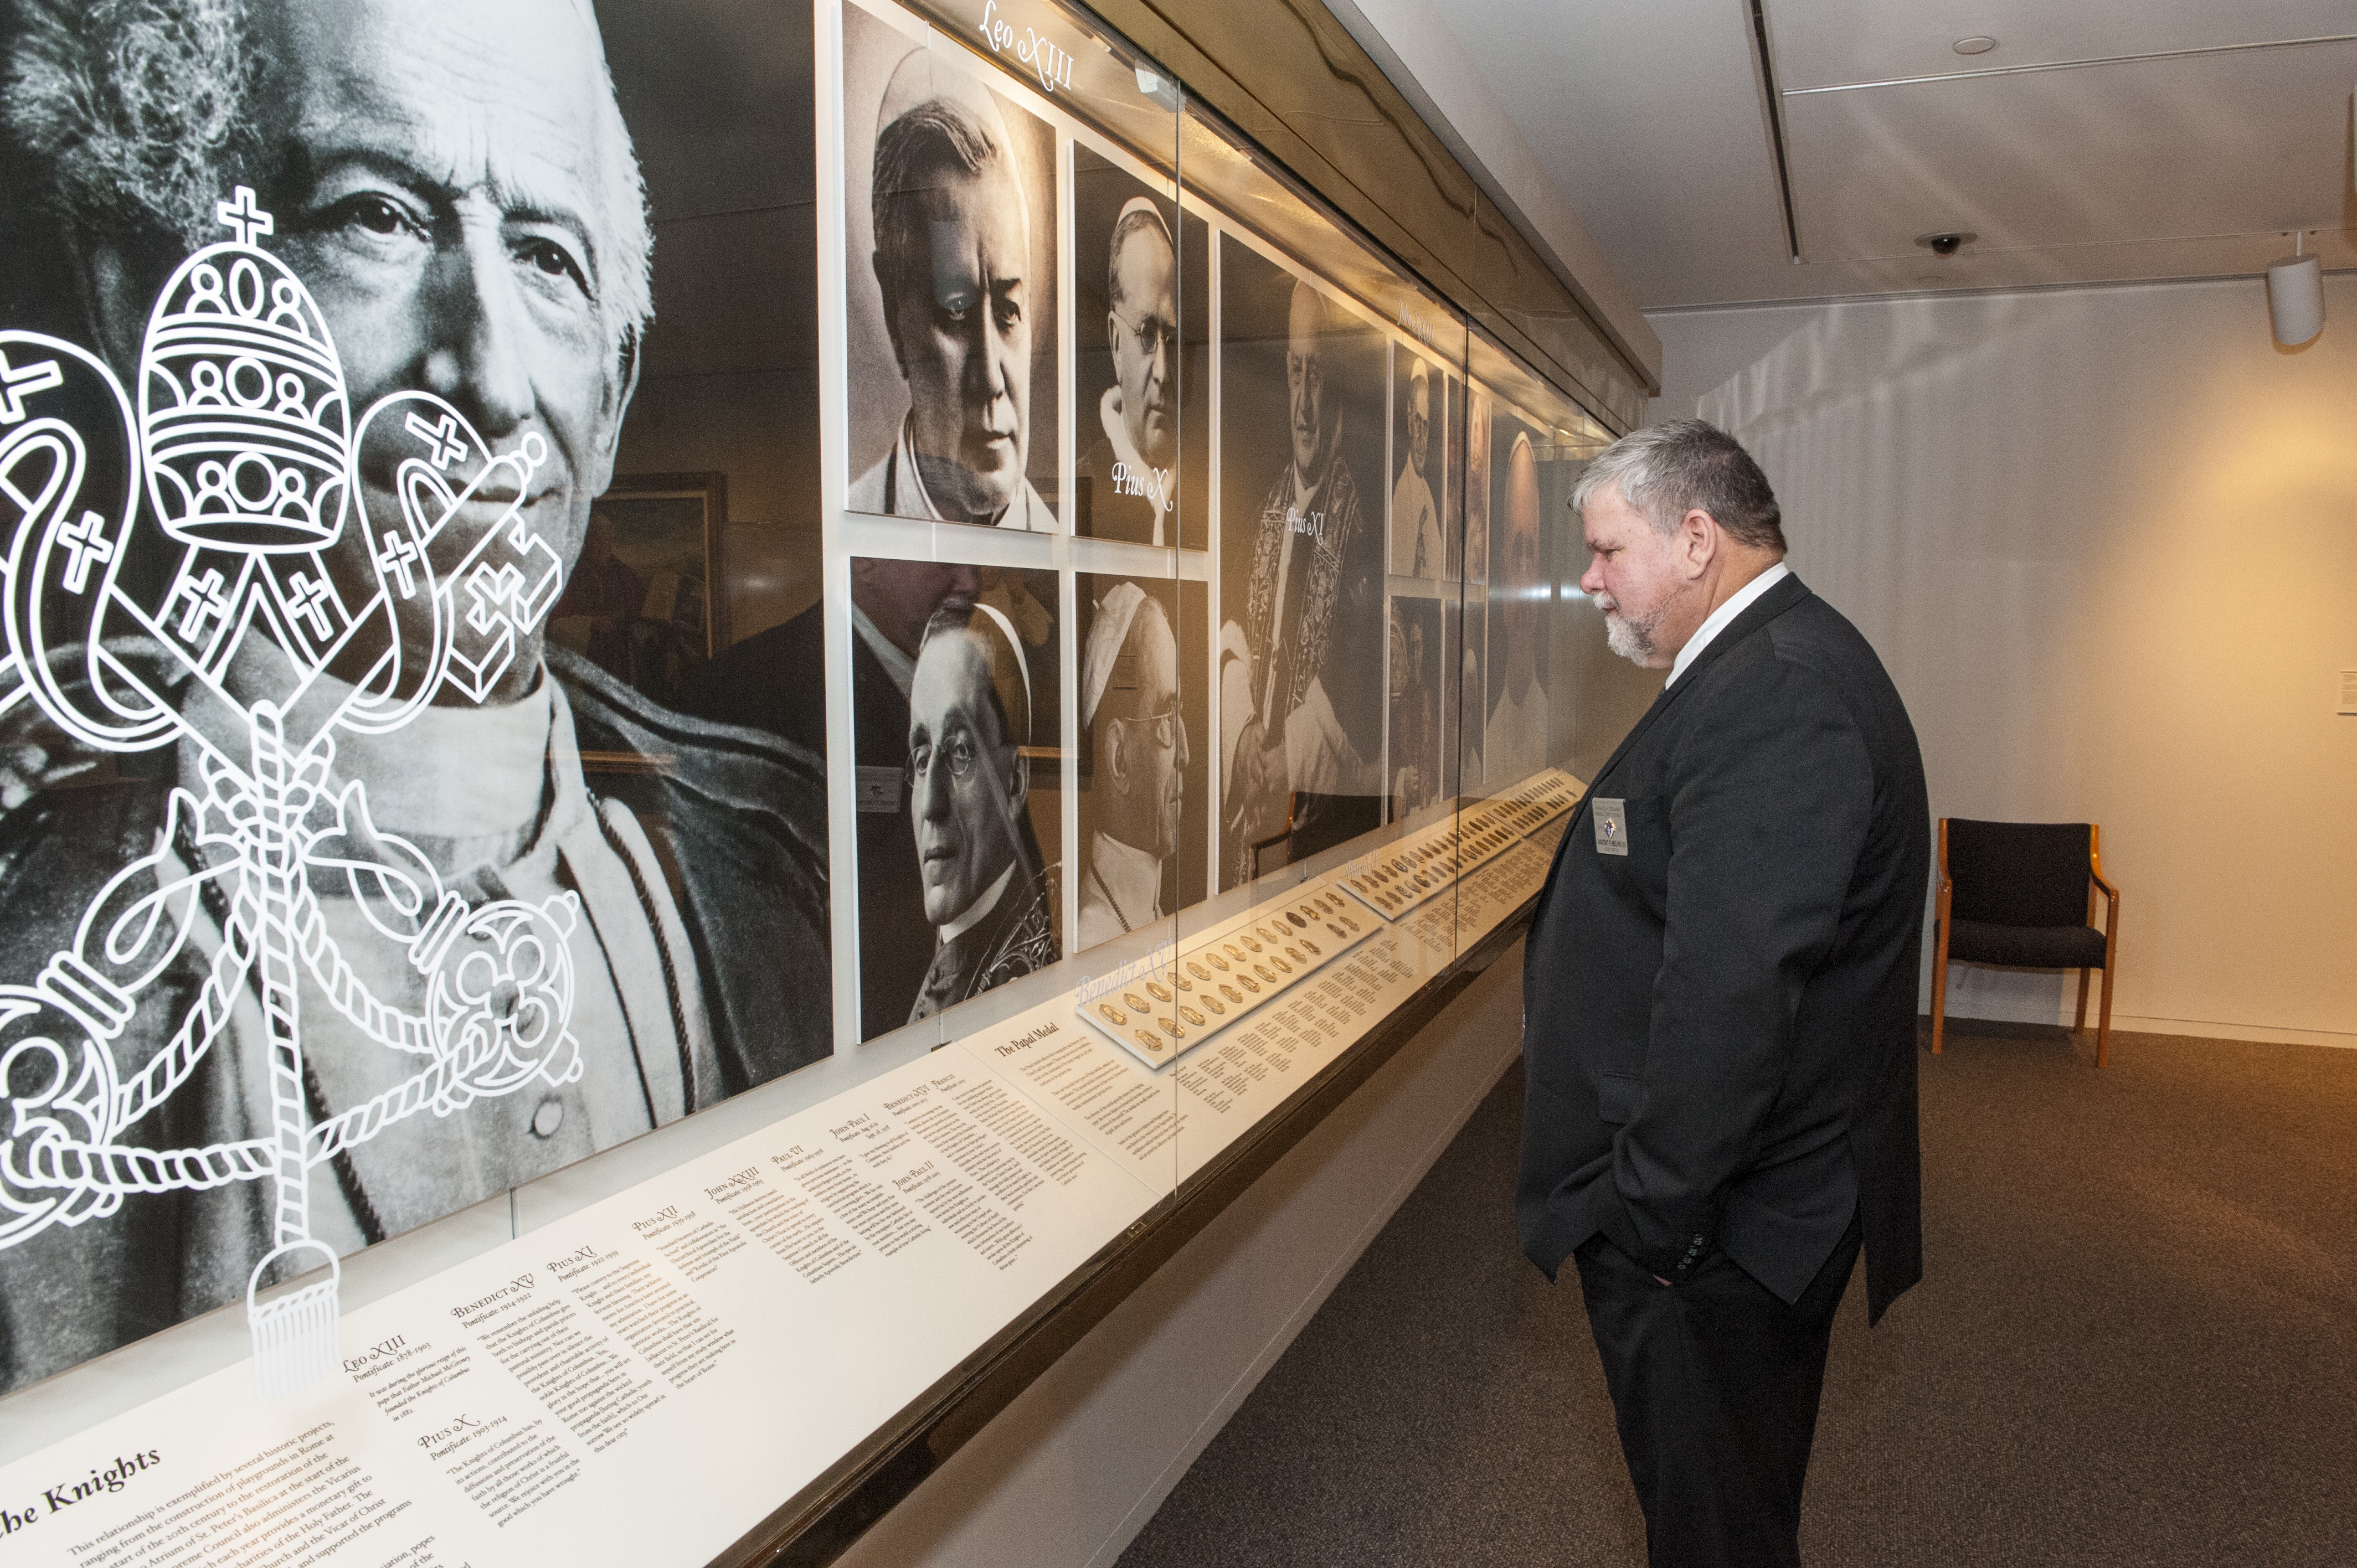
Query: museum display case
x=709, y=710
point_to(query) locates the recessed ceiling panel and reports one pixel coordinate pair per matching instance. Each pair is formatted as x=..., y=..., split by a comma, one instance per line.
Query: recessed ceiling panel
x=1650, y=120
x=2202, y=145
x=1823, y=42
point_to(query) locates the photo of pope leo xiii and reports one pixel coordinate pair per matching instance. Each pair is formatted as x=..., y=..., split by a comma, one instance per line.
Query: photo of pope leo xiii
x=450, y=199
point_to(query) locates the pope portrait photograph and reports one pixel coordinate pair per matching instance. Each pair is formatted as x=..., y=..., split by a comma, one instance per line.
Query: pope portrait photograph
x=456, y=191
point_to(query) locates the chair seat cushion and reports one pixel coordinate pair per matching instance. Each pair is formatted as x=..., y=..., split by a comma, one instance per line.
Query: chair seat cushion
x=2025, y=947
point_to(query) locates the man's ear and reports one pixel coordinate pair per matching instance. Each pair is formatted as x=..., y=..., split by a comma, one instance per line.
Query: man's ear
x=1019, y=775
x=1698, y=538
x=1117, y=756
x=1112, y=337
x=892, y=319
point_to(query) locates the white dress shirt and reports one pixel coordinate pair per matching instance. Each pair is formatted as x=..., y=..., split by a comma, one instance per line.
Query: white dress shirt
x=1719, y=617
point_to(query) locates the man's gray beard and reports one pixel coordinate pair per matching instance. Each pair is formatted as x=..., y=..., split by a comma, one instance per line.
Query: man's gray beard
x=1631, y=640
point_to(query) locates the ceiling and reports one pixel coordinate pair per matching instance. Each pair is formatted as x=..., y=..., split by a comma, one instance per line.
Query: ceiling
x=2100, y=140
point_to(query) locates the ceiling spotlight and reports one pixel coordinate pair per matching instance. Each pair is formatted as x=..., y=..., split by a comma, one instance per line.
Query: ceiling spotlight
x=1947, y=243
x=1978, y=44
x=2296, y=296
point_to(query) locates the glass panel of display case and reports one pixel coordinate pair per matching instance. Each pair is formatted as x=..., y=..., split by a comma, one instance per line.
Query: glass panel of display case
x=1540, y=443
x=1026, y=343
x=1543, y=699
x=958, y=571
x=1304, y=385
x=1332, y=375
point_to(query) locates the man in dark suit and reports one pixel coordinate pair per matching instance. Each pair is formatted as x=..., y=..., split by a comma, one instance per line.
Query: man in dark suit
x=1720, y=1000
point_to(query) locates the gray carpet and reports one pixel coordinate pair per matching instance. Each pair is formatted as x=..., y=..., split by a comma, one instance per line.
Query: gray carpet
x=2136, y=1343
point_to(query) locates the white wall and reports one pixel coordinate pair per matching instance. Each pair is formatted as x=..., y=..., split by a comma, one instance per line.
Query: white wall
x=2106, y=542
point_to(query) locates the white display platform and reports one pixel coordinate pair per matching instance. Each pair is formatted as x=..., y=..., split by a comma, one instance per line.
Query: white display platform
x=648, y=1379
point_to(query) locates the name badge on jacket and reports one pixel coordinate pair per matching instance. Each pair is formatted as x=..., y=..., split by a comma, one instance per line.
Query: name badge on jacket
x=1611, y=819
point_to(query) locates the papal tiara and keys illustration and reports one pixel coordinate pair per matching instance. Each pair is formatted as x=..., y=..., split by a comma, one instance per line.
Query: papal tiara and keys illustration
x=288, y=603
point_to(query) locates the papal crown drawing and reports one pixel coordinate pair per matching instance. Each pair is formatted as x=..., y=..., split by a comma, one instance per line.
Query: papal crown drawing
x=217, y=540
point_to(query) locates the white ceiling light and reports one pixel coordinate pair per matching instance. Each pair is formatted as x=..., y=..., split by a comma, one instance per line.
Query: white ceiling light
x=2296, y=296
x=1978, y=44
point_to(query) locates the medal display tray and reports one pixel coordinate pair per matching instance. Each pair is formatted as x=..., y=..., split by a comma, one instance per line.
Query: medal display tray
x=1396, y=878
x=1220, y=978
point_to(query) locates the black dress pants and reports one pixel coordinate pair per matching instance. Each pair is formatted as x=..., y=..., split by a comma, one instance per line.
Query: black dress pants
x=1715, y=1386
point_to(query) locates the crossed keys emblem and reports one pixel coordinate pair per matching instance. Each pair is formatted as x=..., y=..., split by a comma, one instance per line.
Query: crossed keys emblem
x=236, y=534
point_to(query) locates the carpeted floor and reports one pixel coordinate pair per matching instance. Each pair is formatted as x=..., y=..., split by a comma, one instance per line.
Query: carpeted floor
x=2136, y=1343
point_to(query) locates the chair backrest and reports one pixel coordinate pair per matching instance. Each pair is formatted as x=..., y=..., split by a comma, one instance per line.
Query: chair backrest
x=2019, y=874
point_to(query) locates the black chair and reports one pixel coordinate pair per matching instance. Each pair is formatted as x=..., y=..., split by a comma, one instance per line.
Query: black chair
x=2023, y=894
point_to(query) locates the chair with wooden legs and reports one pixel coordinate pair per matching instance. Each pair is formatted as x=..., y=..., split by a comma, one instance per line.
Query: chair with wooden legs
x=2023, y=895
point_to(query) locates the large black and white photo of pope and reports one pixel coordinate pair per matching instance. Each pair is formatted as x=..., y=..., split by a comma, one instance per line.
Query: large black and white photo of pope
x=950, y=216
x=325, y=319
x=1140, y=295
x=1301, y=568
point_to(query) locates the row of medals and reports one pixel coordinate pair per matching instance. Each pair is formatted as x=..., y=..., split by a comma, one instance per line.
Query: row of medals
x=1263, y=949
x=1395, y=885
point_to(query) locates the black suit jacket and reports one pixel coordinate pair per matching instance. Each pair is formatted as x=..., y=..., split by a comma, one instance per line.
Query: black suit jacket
x=1718, y=1027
